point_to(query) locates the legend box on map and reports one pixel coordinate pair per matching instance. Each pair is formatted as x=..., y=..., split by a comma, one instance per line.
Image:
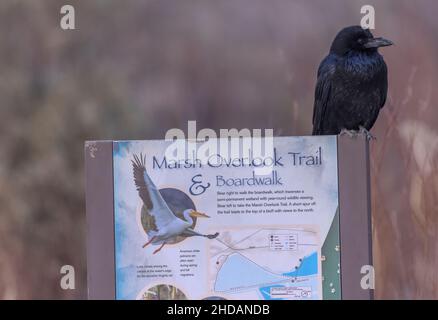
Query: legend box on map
x=281, y=242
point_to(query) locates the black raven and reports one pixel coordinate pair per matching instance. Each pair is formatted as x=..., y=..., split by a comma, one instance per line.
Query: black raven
x=352, y=84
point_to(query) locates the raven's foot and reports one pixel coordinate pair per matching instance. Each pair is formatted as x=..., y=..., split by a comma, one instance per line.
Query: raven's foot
x=350, y=133
x=367, y=134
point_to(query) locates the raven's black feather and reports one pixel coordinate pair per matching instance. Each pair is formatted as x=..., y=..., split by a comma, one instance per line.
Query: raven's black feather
x=352, y=83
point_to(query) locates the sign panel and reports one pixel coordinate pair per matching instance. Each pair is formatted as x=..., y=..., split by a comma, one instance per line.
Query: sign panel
x=220, y=227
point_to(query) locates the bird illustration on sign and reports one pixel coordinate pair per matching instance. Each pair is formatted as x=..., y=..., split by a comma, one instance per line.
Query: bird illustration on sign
x=161, y=224
x=352, y=84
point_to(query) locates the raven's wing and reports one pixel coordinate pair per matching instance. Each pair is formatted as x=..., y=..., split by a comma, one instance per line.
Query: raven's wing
x=150, y=194
x=384, y=90
x=326, y=72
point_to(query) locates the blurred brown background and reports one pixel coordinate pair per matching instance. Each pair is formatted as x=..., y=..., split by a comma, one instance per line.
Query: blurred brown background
x=134, y=69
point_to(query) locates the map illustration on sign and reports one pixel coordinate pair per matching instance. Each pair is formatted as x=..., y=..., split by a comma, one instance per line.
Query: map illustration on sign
x=217, y=228
x=266, y=263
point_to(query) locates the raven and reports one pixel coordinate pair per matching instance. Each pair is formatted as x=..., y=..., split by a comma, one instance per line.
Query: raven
x=352, y=84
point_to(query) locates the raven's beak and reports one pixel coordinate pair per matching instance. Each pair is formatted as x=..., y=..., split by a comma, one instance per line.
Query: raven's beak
x=377, y=43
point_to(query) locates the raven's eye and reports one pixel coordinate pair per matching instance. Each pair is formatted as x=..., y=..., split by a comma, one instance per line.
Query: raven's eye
x=361, y=40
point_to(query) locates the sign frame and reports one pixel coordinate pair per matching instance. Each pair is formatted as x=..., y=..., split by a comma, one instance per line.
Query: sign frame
x=355, y=229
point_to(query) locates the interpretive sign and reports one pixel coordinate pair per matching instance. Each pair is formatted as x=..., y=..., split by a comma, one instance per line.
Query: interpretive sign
x=228, y=225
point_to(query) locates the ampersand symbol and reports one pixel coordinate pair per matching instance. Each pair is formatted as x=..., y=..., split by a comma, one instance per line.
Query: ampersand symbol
x=197, y=187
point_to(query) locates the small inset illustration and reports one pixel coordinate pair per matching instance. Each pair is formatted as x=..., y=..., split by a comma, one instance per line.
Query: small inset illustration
x=168, y=216
x=162, y=292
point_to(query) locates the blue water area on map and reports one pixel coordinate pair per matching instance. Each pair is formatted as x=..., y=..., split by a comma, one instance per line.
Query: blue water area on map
x=309, y=266
x=239, y=272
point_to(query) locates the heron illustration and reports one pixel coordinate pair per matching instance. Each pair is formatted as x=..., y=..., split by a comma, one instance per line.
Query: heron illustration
x=166, y=226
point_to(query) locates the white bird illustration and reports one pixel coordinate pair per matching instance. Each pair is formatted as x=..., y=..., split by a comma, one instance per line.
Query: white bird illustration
x=167, y=226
